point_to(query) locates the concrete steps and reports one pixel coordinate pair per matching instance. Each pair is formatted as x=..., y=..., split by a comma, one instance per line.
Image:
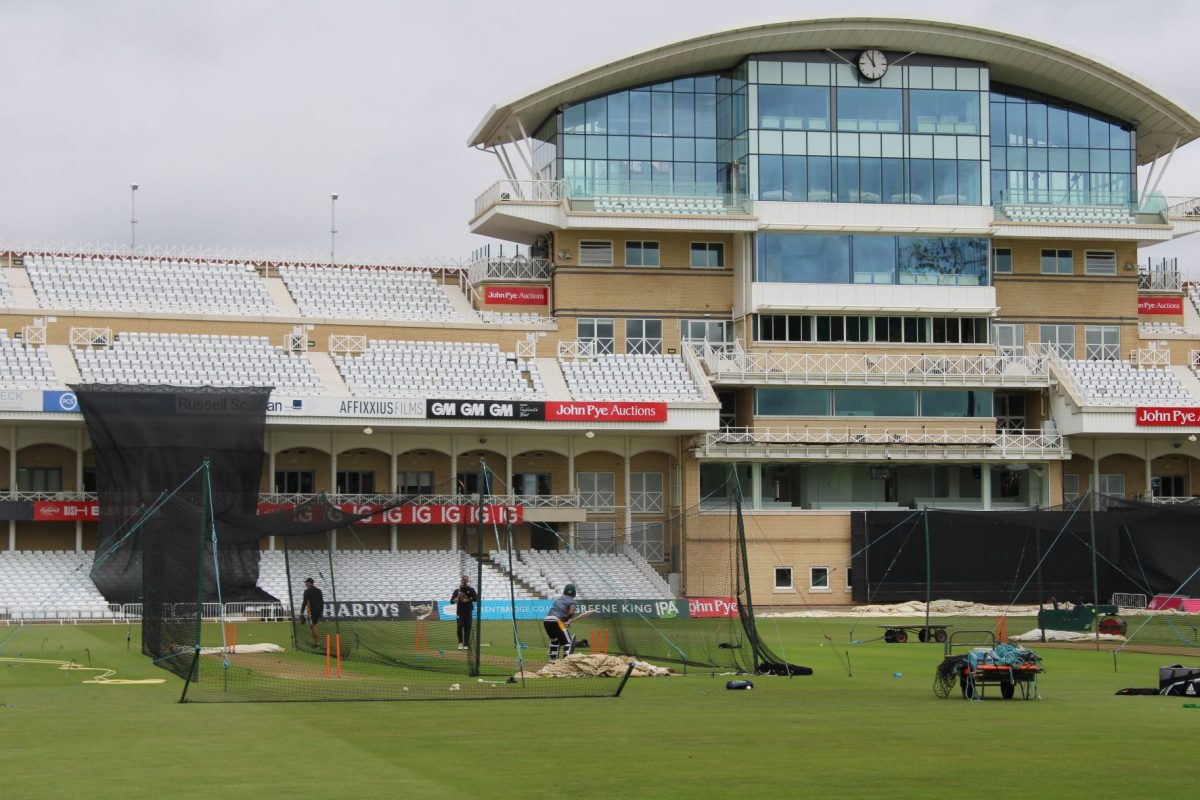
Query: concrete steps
x=327, y=371
x=63, y=362
x=20, y=290
x=281, y=297
x=552, y=379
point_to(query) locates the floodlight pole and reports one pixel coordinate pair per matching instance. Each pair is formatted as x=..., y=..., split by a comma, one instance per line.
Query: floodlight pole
x=133, y=187
x=333, y=198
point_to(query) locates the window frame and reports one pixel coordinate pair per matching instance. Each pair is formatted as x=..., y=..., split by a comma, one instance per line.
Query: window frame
x=595, y=246
x=791, y=579
x=643, y=344
x=1105, y=260
x=642, y=247
x=996, y=261
x=596, y=537
x=709, y=249
x=1071, y=479
x=1058, y=345
x=1058, y=257
x=593, y=497
x=653, y=548
x=344, y=477
x=643, y=500
x=603, y=345
x=813, y=585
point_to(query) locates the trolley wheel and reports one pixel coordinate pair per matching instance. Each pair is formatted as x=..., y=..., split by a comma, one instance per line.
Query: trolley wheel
x=901, y=636
x=889, y=636
x=923, y=635
x=1007, y=690
x=939, y=636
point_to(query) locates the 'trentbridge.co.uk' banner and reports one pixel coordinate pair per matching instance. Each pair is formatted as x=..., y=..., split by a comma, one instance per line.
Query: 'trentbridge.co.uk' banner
x=1167, y=417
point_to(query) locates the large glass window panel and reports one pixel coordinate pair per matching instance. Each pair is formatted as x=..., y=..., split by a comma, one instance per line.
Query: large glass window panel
x=596, y=116
x=875, y=402
x=574, y=119
x=792, y=402
x=1057, y=127
x=1035, y=125
x=770, y=179
x=1014, y=130
x=1098, y=133
x=955, y=403
x=802, y=258
x=1102, y=342
x=870, y=189
x=1061, y=338
x=684, y=114
x=706, y=149
x=941, y=111
x=639, y=113
x=1119, y=138
x=795, y=173
x=969, y=190
x=893, y=180
x=820, y=179
x=793, y=107
x=618, y=113
x=920, y=181
x=870, y=110
x=945, y=183
x=684, y=149
x=660, y=124
x=847, y=180
x=1077, y=129
x=598, y=331
x=942, y=260
x=874, y=259
x=706, y=115
x=996, y=128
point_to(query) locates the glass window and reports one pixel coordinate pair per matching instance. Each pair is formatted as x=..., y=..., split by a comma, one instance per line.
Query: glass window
x=874, y=259
x=643, y=337
x=648, y=540
x=1002, y=261
x=818, y=579
x=639, y=113
x=595, y=254
x=421, y=483
x=1102, y=342
x=943, y=260
x=356, y=482
x=286, y=482
x=943, y=111
x=713, y=331
x=684, y=114
x=770, y=179
x=708, y=254
x=1061, y=338
x=597, y=331
x=660, y=109
x=783, y=579
x=793, y=107
x=641, y=254
x=618, y=113
x=1057, y=262
x=847, y=180
x=599, y=538
x=920, y=181
x=820, y=179
x=597, y=490
x=875, y=402
x=1100, y=262
x=955, y=403
x=792, y=402
x=870, y=110
x=1010, y=338
x=789, y=258
x=646, y=492
x=1070, y=486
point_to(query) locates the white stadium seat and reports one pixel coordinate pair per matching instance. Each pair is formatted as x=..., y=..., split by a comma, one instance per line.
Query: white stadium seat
x=632, y=377
x=452, y=370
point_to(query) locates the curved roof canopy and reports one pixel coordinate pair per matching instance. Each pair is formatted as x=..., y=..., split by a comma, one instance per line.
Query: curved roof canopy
x=1046, y=68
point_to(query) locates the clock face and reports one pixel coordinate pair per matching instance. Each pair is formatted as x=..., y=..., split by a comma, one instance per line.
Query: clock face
x=872, y=64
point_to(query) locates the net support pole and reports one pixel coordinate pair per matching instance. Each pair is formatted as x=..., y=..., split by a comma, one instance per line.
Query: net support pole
x=1095, y=575
x=928, y=575
x=751, y=626
x=1037, y=549
x=625, y=679
x=478, y=626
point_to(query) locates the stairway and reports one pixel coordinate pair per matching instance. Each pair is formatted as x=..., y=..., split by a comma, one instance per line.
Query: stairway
x=1188, y=379
x=66, y=371
x=331, y=380
x=281, y=297
x=553, y=381
x=20, y=290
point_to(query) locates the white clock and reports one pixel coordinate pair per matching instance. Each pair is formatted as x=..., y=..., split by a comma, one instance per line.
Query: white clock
x=872, y=64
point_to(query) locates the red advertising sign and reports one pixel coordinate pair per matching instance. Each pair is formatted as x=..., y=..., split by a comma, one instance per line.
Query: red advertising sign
x=1167, y=417
x=712, y=607
x=584, y=411
x=421, y=514
x=1160, y=305
x=516, y=295
x=66, y=510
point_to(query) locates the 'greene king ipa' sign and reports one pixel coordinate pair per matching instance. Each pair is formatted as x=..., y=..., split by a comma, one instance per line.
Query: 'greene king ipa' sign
x=1167, y=417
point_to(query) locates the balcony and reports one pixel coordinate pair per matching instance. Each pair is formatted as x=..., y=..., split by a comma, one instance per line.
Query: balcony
x=1161, y=276
x=509, y=269
x=729, y=364
x=537, y=508
x=638, y=197
x=882, y=444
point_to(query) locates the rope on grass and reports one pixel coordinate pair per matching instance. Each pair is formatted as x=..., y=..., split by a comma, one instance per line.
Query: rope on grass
x=104, y=678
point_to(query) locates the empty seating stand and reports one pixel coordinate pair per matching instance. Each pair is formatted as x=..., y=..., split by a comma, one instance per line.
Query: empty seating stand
x=440, y=369
x=596, y=576
x=24, y=367
x=612, y=204
x=198, y=360
x=632, y=377
x=363, y=293
x=153, y=285
x=381, y=575
x=1155, y=328
x=1086, y=215
x=1119, y=383
x=49, y=584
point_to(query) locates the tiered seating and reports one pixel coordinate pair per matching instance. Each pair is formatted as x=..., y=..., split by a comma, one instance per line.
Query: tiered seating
x=1156, y=328
x=1087, y=215
x=660, y=205
x=198, y=360
x=367, y=293
x=631, y=377
x=5, y=297
x=48, y=584
x=439, y=369
x=156, y=285
x=383, y=575
x=24, y=367
x=1119, y=383
x=596, y=577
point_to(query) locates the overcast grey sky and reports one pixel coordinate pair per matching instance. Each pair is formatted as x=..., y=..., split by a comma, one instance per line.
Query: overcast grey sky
x=238, y=119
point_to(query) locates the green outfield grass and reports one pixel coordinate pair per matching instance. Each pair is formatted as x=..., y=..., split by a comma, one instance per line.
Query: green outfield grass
x=829, y=735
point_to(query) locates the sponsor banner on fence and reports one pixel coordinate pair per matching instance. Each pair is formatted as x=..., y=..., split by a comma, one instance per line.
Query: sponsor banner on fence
x=1167, y=417
x=22, y=400
x=485, y=409
x=66, y=510
x=712, y=606
x=1160, y=305
x=383, y=408
x=605, y=412
x=60, y=402
x=650, y=609
x=502, y=609
x=516, y=295
x=382, y=609
x=420, y=514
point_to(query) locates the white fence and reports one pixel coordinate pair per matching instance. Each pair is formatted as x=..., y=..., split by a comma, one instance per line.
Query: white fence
x=506, y=191
x=895, y=443
x=264, y=611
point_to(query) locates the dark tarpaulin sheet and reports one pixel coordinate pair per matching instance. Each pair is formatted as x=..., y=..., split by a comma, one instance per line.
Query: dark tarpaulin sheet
x=990, y=556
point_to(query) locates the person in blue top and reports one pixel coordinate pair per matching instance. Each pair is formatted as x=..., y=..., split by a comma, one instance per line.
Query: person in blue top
x=558, y=623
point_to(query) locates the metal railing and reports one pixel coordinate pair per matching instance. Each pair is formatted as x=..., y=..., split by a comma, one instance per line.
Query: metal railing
x=524, y=500
x=513, y=268
x=1147, y=358
x=347, y=344
x=577, y=348
x=729, y=363
x=882, y=443
x=1163, y=276
x=91, y=337
x=1183, y=206
x=519, y=191
x=37, y=496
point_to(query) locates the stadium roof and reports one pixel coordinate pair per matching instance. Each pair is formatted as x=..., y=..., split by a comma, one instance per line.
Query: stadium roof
x=1027, y=63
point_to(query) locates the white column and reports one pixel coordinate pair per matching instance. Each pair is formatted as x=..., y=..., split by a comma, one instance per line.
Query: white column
x=756, y=485
x=985, y=486
x=270, y=477
x=1095, y=474
x=1149, y=476
x=454, y=485
x=571, y=487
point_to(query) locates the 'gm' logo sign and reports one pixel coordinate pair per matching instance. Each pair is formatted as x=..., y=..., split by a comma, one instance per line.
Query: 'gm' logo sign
x=60, y=402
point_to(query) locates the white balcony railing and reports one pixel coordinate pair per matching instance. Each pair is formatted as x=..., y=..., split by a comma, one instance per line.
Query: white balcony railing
x=524, y=500
x=1183, y=206
x=577, y=349
x=519, y=192
x=509, y=269
x=923, y=444
x=731, y=364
